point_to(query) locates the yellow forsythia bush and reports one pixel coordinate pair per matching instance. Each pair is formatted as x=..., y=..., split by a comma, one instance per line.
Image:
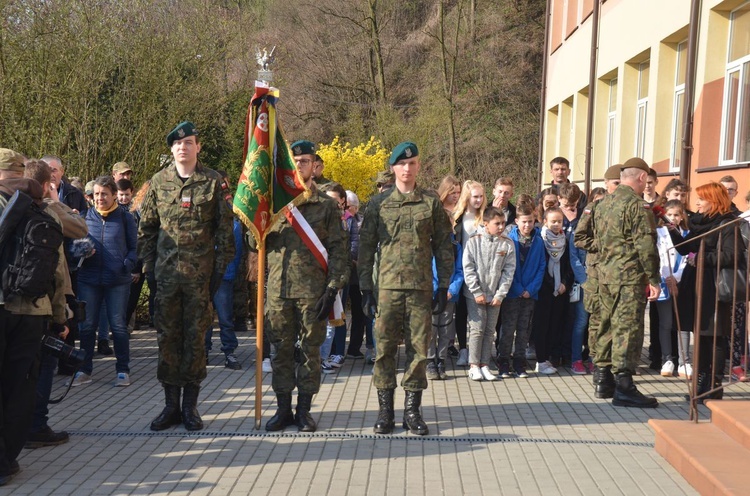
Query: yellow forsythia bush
x=355, y=168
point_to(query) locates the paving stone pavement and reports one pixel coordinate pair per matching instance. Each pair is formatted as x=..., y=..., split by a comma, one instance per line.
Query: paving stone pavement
x=542, y=435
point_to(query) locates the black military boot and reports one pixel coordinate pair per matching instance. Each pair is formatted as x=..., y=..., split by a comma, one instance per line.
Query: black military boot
x=190, y=416
x=604, y=382
x=412, y=416
x=171, y=414
x=303, y=419
x=385, y=422
x=626, y=394
x=284, y=416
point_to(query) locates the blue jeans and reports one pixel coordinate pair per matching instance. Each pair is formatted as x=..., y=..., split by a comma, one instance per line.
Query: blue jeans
x=103, y=332
x=325, y=348
x=339, y=336
x=223, y=303
x=580, y=324
x=116, y=300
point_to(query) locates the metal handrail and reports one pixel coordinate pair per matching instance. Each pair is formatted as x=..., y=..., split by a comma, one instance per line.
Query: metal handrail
x=699, y=279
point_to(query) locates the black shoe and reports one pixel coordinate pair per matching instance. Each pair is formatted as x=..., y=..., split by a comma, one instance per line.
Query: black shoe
x=231, y=362
x=303, y=419
x=452, y=351
x=385, y=422
x=14, y=467
x=626, y=394
x=655, y=365
x=170, y=415
x=412, y=416
x=355, y=354
x=103, y=347
x=190, y=416
x=604, y=383
x=284, y=416
x=46, y=437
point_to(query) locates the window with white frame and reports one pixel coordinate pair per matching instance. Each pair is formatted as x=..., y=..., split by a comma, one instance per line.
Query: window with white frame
x=641, y=109
x=678, y=109
x=611, y=116
x=735, y=124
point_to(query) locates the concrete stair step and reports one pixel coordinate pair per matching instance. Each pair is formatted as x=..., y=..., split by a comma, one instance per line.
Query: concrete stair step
x=732, y=417
x=707, y=457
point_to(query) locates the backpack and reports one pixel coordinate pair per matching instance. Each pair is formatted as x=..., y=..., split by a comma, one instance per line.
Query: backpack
x=29, y=243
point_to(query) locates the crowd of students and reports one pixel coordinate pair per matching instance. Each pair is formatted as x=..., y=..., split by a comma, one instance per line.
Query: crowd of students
x=515, y=302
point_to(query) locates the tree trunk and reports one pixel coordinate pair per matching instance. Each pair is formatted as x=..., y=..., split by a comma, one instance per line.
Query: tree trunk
x=376, y=55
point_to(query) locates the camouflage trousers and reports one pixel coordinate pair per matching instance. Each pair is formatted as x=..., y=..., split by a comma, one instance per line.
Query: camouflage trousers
x=292, y=320
x=407, y=315
x=591, y=305
x=621, y=330
x=181, y=318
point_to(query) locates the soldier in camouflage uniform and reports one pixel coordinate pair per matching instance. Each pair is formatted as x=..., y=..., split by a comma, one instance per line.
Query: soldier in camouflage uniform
x=584, y=239
x=185, y=237
x=625, y=235
x=300, y=295
x=408, y=226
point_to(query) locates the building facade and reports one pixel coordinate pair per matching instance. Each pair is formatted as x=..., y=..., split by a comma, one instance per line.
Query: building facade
x=640, y=88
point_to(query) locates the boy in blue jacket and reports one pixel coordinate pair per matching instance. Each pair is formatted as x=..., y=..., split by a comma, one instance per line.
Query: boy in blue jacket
x=443, y=324
x=518, y=306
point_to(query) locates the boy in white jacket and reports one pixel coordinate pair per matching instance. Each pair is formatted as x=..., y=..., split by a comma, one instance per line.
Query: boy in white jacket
x=489, y=263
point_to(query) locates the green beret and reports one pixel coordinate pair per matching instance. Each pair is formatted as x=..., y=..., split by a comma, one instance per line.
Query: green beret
x=613, y=172
x=303, y=147
x=11, y=161
x=183, y=130
x=407, y=149
x=384, y=177
x=636, y=163
x=121, y=167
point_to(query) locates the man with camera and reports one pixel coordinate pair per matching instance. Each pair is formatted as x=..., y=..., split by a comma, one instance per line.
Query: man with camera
x=23, y=320
x=73, y=226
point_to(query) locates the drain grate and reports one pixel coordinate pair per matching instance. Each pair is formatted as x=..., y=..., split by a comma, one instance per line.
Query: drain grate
x=342, y=436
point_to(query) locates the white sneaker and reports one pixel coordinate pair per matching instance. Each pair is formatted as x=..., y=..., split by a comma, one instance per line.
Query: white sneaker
x=79, y=380
x=336, y=361
x=266, y=367
x=475, y=374
x=487, y=374
x=667, y=370
x=463, y=358
x=122, y=379
x=685, y=370
x=545, y=368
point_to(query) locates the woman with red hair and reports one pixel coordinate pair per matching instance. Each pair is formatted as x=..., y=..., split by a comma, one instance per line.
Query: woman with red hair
x=714, y=208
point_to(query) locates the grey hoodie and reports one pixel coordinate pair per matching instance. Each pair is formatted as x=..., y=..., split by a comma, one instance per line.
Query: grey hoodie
x=489, y=265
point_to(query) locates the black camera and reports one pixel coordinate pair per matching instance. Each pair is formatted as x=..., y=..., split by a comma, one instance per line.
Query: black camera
x=59, y=349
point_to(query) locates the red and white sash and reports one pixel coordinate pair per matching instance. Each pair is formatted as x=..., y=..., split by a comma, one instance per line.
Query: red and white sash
x=311, y=240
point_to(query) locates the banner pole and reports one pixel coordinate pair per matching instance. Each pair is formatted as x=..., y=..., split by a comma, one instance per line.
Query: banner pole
x=259, y=317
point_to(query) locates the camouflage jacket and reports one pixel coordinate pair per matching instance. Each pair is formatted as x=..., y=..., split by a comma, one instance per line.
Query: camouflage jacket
x=408, y=230
x=293, y=271
x=584, y=233
x=185, y=233
x=625, y=236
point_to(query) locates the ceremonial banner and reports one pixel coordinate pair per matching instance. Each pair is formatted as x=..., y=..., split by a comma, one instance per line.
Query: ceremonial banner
x=269, y=182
